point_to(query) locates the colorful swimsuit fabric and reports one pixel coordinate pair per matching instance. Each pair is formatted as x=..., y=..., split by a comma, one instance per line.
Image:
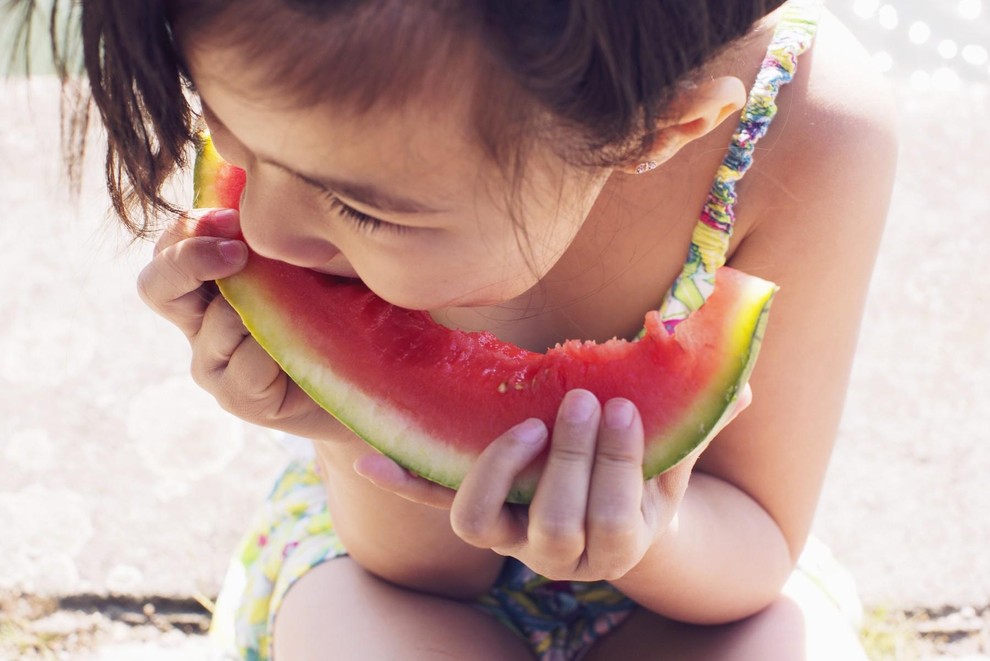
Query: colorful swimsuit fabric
x=710, y=242
x=560, y=620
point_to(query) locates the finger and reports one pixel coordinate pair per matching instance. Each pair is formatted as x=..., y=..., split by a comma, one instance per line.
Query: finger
x=246, y=380
x=745, y=398
x=240, y=373
x=172, y=284
x=221, y=334
x=557, y=514
x=615, y=527
x=479, y=514
x=390, y=476
x=219, y=223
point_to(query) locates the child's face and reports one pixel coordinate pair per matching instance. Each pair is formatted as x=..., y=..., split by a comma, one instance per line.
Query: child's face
x=447, y=239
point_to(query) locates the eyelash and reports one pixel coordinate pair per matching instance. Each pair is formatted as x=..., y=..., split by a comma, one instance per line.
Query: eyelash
x=360, y=220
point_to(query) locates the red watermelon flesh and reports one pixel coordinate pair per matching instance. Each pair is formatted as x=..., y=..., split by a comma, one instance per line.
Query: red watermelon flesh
x=432, y=398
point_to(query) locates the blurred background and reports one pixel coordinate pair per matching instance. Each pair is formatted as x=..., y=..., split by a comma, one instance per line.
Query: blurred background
x=123, y=487
x=930, y=45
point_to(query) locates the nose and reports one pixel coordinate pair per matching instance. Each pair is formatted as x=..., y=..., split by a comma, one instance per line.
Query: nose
x=278, y=225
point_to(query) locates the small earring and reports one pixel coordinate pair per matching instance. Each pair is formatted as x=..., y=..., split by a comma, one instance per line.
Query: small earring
x=646, y=167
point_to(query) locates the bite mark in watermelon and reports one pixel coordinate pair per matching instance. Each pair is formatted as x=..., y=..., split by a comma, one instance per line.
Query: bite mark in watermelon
x=432, y=398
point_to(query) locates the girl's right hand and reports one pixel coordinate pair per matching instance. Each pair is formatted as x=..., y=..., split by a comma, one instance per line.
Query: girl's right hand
x=227, y=362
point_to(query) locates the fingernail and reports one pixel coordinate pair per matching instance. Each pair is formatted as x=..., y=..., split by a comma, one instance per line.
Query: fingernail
x=618, y=414
x=531, y=431
x=579, y=406
x=233, y=252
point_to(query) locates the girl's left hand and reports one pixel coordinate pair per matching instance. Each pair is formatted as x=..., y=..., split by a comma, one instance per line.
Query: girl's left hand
x=592, y=517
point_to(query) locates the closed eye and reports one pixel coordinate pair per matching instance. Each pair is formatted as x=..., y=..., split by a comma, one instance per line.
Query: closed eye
x=361, y=220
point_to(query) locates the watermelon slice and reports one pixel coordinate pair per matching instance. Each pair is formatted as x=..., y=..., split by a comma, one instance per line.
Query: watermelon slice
x=432, y=398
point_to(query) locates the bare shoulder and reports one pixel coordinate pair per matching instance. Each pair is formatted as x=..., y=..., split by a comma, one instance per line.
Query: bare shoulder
x=824, y=172
x=843, y=87
x=837, y=127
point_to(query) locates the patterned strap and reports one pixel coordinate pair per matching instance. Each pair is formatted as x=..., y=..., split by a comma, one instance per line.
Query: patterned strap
x=710, y=241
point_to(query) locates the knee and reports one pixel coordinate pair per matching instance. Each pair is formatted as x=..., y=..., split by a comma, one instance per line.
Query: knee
x=308, y=617
x=807, y=627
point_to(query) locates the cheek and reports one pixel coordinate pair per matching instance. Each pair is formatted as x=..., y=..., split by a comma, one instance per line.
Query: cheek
x=447, y=271
x=554, y=214
x=545, y=237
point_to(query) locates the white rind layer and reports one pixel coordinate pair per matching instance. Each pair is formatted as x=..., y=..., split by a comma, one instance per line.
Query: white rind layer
x=383, y=427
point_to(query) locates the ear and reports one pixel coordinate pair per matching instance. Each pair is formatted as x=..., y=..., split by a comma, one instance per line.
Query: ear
x=700, y=110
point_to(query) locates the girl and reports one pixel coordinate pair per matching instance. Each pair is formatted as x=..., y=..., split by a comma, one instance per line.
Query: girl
x=535, y=169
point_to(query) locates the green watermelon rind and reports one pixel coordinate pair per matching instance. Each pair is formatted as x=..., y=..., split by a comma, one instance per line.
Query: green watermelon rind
x=207, y=163
x=719, y=402
x=394, y=435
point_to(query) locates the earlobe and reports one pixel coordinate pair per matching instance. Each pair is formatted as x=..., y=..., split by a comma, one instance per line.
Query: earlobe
x=702, y=108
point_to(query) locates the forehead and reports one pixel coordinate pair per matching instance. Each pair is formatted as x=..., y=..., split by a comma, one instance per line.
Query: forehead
x=423, y=144
x=389, y=76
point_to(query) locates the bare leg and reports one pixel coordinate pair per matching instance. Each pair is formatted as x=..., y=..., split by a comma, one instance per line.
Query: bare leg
x=339, y=611
x=802, y=625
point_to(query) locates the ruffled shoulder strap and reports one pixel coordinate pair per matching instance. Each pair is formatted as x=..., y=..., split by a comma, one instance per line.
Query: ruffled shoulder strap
x=710, y=241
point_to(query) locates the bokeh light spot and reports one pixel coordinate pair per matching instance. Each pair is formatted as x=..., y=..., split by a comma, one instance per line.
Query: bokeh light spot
x=919, y=32
x=970, y=9
x=866, y=8
x=883, y=61
x=888, y=17
x=948, y=48
x=975, y=54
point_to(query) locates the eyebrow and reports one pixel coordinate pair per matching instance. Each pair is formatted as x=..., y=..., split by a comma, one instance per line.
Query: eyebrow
x=366, y=194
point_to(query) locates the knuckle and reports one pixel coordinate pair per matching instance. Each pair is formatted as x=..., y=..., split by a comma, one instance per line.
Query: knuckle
x=559, y=536
x=145, y=288
x=569, y=453
x=618, y=454
x=231, y=400
x=188, y=253
x=166, y=240
x=195, y=258
x=469, y=528
x=617, y=529
x=181, y=228
x=206, y=377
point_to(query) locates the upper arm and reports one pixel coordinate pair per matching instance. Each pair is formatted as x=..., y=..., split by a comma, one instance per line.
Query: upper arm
x=828, y=174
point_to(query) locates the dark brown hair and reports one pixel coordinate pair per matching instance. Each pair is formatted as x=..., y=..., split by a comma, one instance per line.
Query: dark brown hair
x=601, y=73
